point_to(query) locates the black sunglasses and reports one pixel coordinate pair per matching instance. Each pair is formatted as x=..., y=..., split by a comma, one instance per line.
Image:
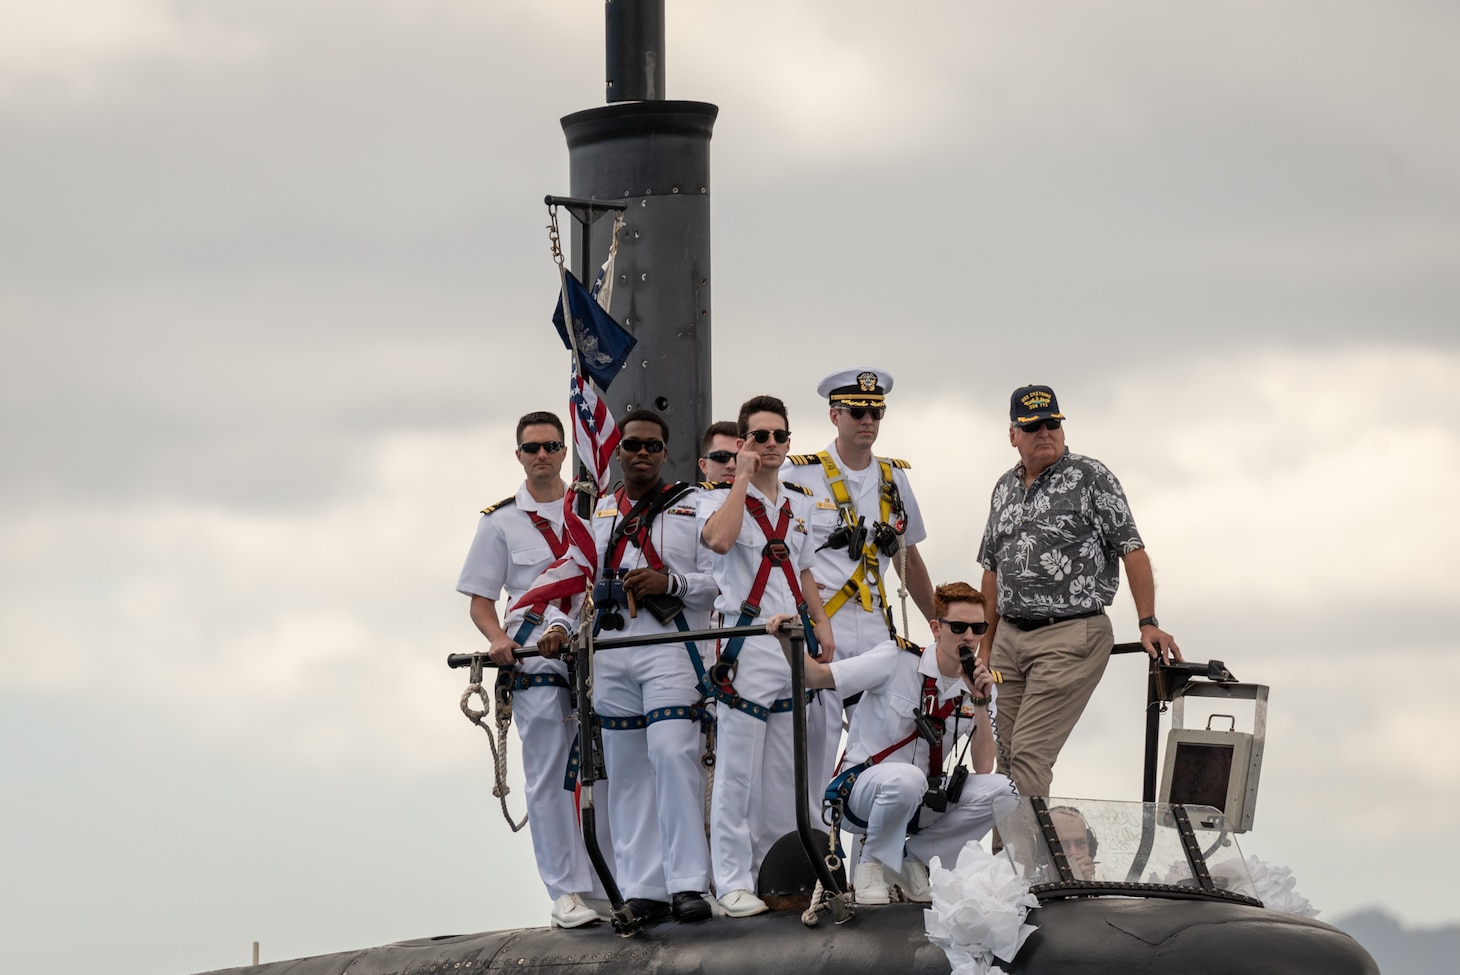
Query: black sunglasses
x=858, y=412
x=632, y=445
x=1035, y=425
x=719, y=456
x=761, y=436
x=532, y=446
x=959, y=627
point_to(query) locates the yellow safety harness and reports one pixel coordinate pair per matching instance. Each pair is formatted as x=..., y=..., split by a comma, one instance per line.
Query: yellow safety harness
x=868, y=565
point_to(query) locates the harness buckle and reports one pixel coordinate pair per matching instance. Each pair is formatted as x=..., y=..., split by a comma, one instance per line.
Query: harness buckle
x=532, y=616
x=722, y=675
x=749, y=610
x=776, y=551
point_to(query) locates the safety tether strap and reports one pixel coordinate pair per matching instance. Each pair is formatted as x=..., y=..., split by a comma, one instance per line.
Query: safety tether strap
x=868, y=564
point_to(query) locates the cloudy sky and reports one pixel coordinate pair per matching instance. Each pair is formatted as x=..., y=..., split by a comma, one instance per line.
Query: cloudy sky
x=274, y=284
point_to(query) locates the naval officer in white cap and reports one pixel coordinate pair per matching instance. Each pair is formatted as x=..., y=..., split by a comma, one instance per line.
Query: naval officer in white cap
x=866, y=517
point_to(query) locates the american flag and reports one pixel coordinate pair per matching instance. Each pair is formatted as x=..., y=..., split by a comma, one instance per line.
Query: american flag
x=595, y=437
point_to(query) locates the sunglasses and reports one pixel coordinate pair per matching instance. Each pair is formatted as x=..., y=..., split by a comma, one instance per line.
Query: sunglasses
x=632, y=445
x=719, y=456
x=532, y=446
x=761, y=436
x=959, y=627
x=1034, y=426
x=859, y=412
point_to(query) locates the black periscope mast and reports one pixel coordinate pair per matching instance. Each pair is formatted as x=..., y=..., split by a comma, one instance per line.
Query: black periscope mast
x=1164, y=887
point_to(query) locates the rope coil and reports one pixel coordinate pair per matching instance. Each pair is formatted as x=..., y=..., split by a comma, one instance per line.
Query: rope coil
x=497, y=742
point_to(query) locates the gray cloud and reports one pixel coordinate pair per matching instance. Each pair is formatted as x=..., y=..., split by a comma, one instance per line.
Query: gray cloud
x=273, y=286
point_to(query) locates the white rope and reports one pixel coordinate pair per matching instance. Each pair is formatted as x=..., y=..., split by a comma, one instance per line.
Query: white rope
x=902, y=584
x=500, y=788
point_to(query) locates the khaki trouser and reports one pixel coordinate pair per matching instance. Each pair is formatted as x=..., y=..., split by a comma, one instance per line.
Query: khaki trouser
x=1049, y=675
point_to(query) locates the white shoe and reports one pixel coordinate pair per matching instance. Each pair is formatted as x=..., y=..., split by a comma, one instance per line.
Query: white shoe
x=600, y=906
x=915, y=884
x=569, y=911
x=869, y=884
x=742, y=903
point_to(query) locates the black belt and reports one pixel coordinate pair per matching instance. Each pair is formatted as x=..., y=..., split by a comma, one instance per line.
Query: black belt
x=1039, y=622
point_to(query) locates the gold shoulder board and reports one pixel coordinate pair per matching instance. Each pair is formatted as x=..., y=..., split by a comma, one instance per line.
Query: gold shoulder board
x=803, y=460
x=500, y=504
x=792, y=485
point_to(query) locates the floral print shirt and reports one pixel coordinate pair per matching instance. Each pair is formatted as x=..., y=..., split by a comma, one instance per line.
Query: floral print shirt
x=1055, y=547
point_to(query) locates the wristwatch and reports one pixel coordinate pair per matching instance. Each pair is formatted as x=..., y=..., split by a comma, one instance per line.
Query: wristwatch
x=1150, y=621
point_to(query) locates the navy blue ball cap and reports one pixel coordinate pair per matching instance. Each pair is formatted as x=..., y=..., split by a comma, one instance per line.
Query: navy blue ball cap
x=1030, y=403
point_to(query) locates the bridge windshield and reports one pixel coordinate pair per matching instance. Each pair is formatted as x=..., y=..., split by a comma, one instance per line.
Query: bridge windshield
x=1106, y=842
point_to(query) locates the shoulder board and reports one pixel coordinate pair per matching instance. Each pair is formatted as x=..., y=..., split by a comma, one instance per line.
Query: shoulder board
x=674, y=491
x=907, y=644
x=500, y=504
x=713, y=485
x=896, y=463
x=803, y=460
x=793, y=486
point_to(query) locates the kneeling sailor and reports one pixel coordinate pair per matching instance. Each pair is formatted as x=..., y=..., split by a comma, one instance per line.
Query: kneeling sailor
x=890, y=783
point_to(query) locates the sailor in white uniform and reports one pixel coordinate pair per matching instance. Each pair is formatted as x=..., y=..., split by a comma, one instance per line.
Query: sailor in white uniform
x=654, y=579
x=866, y=517
x=516, y=539
x=759, y=529
x=890, y=783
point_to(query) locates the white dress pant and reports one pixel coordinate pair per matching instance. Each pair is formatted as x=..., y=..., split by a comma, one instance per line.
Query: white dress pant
x=887, y=795
x=755, y=796
x=540, y=714
x=856, y=631
x=656, y=796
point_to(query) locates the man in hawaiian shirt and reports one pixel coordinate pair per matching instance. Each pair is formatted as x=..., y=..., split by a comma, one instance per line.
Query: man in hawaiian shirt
x=1058, y=523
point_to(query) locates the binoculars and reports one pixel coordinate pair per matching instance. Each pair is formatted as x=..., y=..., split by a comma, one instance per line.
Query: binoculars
x=609, y=598
x=853, y=538
x=938, y=797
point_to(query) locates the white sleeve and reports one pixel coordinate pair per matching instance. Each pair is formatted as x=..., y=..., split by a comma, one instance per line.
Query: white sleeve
x=864, y=672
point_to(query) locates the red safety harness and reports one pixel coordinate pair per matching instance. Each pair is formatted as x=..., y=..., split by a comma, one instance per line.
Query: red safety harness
x=839, y=790
x=558, y=545
x=776, y=553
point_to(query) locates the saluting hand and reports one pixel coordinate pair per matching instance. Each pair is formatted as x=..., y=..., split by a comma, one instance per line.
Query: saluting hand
x=747, y=462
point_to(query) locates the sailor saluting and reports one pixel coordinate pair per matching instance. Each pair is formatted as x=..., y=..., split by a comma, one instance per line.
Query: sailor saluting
x=759, y=528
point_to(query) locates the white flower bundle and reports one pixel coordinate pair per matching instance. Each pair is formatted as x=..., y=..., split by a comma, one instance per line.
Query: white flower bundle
x=978, y=911
x=1275, y=889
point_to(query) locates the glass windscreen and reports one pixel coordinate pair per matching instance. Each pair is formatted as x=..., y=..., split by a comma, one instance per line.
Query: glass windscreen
x=1120, y=842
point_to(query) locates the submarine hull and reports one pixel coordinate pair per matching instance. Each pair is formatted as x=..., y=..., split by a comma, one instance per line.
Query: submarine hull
x=1082, y=935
